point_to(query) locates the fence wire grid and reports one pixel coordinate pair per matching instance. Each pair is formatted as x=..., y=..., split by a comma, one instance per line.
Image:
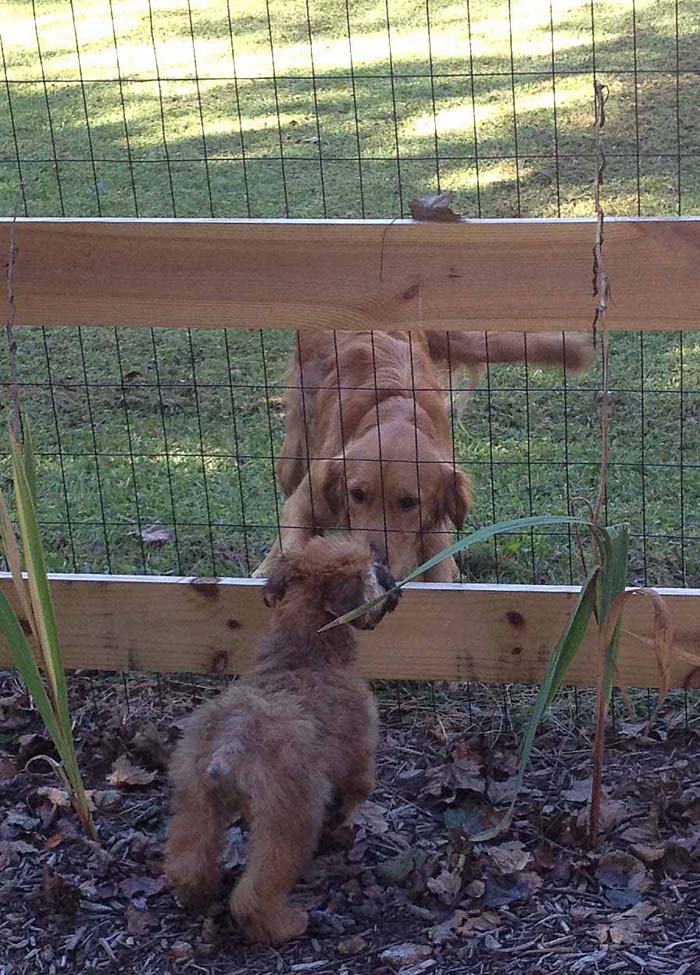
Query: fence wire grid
x=157, y=448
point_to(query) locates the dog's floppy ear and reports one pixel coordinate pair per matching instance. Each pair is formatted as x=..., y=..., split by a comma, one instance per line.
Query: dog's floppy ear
x=457, y=494
x=330, y=480
x=275, y=588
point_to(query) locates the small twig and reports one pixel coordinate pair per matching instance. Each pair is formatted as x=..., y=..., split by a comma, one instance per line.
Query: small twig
x=601, y=288
x=14, y=407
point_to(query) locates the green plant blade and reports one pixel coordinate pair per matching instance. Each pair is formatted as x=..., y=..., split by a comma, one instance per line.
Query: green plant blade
x=39, y=585
x=29, y=457
x=612, y=580
x=13, y=557
x=559, y=662
x=483, y=534
x=27, y=667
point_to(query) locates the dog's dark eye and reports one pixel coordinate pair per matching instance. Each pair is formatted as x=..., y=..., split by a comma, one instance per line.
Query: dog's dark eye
x=407, y=503
x=357, y=494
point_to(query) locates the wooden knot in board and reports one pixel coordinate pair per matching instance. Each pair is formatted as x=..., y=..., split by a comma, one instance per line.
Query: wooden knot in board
x=218, y=663
x=515, y=618
x=232, y=623
x=411, y=292
x=516, y=651
x=209, y=588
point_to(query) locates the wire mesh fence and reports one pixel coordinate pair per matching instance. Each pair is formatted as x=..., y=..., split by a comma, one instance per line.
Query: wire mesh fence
x=320, y=109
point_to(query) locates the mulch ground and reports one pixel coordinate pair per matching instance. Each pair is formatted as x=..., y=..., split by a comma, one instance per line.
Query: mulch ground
x=404, y=890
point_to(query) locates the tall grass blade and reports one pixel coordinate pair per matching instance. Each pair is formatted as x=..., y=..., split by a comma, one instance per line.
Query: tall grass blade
x=52, y=704
x=27, y=666
x=483, y=534
x=559, y=662
x=39, y=584
x=13, y=556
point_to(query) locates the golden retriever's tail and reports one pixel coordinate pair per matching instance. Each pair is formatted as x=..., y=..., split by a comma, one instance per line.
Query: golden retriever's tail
x=473, y=349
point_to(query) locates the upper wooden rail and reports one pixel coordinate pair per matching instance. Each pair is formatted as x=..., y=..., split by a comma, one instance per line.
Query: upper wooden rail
x=495, y=634
x=520, y=275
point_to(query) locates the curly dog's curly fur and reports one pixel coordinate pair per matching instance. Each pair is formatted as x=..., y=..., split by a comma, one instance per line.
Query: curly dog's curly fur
x=298, y=734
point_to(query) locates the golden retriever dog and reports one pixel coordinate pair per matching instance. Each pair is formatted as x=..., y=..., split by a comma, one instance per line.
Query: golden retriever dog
x=368, y=443
x=296, y=737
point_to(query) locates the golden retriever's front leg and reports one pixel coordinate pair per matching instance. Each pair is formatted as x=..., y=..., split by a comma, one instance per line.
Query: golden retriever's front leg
x=297, y=524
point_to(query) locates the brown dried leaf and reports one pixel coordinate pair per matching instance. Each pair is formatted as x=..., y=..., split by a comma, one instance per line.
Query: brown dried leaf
x=626, y=928
x=648, y=854
x=124, y=774
x=405, y=955
x=372, y=817
x=351, y=946
x=579, y=791
x=612, y=812
x=464, y=925
x=57, y=797
x=510, y=857
x=623, y=878
x=435, y=207
x=503, y=792
x=445, y=886
x=139, y=922
x=502, y=890
x=141, y=886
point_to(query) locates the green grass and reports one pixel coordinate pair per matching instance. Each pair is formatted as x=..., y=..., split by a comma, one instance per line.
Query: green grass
x=530, y=445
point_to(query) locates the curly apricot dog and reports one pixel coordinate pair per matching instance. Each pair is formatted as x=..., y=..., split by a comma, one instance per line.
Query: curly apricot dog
x=298, y=734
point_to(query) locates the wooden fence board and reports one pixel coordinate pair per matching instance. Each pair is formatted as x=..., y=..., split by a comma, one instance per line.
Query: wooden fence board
x=495, y=634
x=476, y=274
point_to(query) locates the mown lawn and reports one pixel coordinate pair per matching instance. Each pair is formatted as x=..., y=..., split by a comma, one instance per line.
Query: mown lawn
x=179, y=428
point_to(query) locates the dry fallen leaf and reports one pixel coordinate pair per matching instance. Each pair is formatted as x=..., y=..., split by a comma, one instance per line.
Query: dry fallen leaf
x=434, y=207
x=445, y=886
x=351, y=946
x=504, y=791
x=612, y=812
x=626, y=928
x=510, y=857
x=57, y=797
x=156, y=534
x=142, y=886
x=406, y=955
x=623, y=878
x=372, y=817
x=580, y=791
x=138, y=922
x=502, y=890
x=124, y=773
x=648, y=854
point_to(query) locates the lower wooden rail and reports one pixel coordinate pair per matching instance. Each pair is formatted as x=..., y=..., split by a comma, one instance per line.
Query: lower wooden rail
x=494, y=634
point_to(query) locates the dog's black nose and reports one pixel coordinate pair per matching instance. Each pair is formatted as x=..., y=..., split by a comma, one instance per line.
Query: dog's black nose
x=387, y=582
x=384, y=577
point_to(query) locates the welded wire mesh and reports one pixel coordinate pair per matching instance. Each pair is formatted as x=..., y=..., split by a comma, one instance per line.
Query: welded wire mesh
x=318, y=109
